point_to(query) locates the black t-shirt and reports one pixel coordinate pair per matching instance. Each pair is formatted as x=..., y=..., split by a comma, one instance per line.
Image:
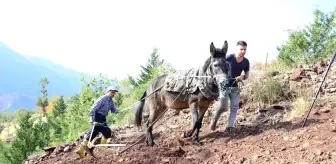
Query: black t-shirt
x=235, y=69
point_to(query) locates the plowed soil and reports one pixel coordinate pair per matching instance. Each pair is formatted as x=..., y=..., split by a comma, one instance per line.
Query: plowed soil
x=261, y=136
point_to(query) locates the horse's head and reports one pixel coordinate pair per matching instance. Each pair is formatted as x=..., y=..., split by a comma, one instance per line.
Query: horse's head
x=216, y=65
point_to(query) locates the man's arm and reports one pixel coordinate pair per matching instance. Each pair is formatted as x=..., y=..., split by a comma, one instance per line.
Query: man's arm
x=247, y=70
x=113, y=108
x=246, y=75
x=94, y=108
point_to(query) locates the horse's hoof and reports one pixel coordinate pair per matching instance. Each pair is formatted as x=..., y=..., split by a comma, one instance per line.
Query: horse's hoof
x=186, y=135
x=90, y=151
x=147, y=142
x=152, y=144
x=196, y=142
x=155, y=145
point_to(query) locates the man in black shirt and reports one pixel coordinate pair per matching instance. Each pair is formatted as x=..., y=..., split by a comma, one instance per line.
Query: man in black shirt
x=237, y=64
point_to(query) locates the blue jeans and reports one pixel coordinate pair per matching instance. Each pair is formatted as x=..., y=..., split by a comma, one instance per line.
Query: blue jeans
x=232, y=93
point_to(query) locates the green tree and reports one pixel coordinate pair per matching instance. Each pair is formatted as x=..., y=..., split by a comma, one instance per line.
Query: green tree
x=118, y=99
x=146, y=72
x=42, y=122
x=58, y=123
x=312, y=43
x=42, y=101
x=59, y=107
x=25, y=142
x=153, y=67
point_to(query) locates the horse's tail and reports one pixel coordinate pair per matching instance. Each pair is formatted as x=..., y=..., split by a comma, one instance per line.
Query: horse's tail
x=139, y=109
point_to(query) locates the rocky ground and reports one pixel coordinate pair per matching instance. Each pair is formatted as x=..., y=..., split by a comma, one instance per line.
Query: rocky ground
x=263, y=134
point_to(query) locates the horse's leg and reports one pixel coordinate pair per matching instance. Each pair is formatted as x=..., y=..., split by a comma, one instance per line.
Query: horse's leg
x=198, y=125
x=194, y=114
x=156, y=108
x=148, y=132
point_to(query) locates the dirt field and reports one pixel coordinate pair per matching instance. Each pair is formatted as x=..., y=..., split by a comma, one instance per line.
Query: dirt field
x=282, y=142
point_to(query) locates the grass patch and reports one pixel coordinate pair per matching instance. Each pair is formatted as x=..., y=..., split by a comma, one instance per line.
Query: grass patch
x=333, y=69
x=301, y=102
x=269, y=91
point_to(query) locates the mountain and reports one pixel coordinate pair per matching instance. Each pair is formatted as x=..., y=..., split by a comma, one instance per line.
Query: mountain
x=20, y=76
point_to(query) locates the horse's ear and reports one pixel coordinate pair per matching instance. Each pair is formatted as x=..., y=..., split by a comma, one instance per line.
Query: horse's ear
x=212, y=48
x=225, y=47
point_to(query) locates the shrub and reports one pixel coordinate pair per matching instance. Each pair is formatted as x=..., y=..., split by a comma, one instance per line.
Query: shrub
x=269, y=91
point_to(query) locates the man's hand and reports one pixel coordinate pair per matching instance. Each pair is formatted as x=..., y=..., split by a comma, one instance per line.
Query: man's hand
x=240, y=78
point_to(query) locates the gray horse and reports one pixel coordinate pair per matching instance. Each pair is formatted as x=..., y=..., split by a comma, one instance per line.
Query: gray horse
x=199, y=90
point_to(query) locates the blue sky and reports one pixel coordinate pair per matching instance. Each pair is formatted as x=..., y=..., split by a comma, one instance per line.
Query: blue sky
x=116, y=37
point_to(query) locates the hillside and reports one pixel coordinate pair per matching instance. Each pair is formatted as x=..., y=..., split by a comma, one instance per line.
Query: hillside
x=269, y=133
x=20, y=76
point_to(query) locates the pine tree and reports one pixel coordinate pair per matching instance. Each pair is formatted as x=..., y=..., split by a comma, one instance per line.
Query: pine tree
x=42, y=102
x=25, y=141
x=59, y=107
x=57, y=123
x=118, y=99
x=146, y=73
x=43, y=123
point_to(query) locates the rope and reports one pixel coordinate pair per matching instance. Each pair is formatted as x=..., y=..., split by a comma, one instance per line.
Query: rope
x=144, y=135
x=125, y=109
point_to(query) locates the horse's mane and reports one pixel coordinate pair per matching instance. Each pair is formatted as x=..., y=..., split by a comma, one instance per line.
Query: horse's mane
x=205, y=66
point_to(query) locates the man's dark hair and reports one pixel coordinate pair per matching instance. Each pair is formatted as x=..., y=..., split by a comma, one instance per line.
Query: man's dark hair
x=242, y=43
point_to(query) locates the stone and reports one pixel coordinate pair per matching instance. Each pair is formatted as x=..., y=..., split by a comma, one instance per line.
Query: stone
x=66, y=149
x=319, y=152
x=292, y=85
x=49, y=149
x=319, y=67
x=294, y=138
x=331, y=90
x=305, y=145
x=274, y=73
x=297, y=74
x=314, y=77
x=257, y=156
x=333, y=129
x=324, y=110
x=311, y=73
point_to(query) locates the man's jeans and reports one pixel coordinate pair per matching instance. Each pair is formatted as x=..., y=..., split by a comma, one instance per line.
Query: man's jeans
x=232, y=93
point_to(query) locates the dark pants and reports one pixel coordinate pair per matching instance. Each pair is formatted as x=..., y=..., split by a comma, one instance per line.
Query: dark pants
x=100, y=126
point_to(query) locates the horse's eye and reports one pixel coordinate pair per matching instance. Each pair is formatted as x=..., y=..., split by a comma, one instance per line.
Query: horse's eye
x=216, y=64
